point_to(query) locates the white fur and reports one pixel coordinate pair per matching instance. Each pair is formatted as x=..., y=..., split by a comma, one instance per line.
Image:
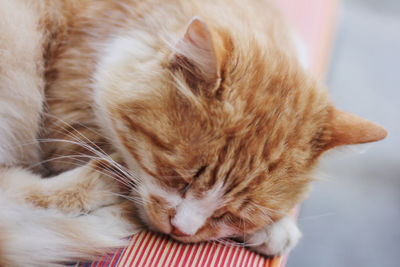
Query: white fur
x=45, y=237
x=21, y=88
x=192, y=213
x=276, y=239
x=135, y=50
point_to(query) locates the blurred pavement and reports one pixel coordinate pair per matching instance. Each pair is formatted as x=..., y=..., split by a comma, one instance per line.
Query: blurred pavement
x=352, y=217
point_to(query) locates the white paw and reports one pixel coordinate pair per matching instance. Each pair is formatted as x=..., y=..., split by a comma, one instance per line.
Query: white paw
x=118, y=219
x=109, y=227
x=276, y=239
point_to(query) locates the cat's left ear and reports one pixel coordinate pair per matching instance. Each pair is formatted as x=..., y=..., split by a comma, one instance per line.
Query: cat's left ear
x=200, y=52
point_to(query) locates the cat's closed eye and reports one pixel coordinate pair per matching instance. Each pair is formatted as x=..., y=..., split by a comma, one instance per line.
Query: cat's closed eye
x=177, y=183
x=184, y=185
x=185, y=188
x=200, y=171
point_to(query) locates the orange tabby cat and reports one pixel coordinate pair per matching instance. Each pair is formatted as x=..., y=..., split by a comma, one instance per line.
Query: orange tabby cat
x=205, y=101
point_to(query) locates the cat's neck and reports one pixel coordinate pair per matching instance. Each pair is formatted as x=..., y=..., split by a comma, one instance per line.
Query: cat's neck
x=113, y=81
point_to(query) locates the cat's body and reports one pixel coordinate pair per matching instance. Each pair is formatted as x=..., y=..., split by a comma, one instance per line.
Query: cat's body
x=94, y=32
x=205, y=101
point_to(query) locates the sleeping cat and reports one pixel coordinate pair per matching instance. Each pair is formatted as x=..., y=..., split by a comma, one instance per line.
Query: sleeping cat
x=200, y=109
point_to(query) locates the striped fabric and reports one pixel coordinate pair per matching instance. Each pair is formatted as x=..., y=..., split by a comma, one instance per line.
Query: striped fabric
x=151, y=249
x=314, y=20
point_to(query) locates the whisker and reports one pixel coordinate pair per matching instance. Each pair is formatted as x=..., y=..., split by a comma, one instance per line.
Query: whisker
x=125, y=180
x=131, y=198
x=230, y=242
x=100, y=155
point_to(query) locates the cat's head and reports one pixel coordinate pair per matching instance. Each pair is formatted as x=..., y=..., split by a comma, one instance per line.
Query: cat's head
x=222, y=132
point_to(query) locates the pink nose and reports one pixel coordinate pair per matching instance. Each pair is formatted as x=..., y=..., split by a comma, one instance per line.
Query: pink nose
x=178, y=232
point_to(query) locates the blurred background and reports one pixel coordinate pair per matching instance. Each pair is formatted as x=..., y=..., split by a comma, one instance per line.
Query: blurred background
x=352, y=217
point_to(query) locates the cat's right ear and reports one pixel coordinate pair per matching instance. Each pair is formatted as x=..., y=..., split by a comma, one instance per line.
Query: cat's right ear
x=349, y=129
x=199, y=53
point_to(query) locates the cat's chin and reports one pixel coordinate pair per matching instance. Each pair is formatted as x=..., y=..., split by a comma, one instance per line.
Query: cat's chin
x=190, y=239
x=183, y=239
x=206, y=235
x=201, y=237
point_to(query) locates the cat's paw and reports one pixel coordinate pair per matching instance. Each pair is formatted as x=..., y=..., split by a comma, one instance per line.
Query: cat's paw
x=100, y=179
x=86, y=188
x=110, y=226
x=276, y=239
x=119, y=219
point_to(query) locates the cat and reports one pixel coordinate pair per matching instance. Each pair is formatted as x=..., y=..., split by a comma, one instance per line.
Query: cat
x=201, y=108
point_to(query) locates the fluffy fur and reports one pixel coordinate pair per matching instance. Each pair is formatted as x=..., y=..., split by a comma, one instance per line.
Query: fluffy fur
x=206, y=102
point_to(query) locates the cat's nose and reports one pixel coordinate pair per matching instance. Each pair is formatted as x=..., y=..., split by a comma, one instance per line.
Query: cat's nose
x=176, y=231
x=187, y=219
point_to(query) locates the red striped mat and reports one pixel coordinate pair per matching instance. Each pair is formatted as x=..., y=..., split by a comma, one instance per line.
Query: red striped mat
x=151, y=249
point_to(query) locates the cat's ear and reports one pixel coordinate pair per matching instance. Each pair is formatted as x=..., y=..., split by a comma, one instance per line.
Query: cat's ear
x=349, y=129
x=199, y=52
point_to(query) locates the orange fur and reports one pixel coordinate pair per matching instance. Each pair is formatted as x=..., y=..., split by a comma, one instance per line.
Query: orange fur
x=258, y=127
x=195, y=96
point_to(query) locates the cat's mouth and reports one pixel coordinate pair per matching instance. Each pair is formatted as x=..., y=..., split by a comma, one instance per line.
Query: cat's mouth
x=176, y=232
x=205, y=233
x=187, y=238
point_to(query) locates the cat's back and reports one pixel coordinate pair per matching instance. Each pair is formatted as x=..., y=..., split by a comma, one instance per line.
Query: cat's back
x=260, y=17
x=102, y=19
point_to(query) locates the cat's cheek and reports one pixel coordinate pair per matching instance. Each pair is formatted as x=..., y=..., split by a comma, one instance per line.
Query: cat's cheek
x=144, y=217
x=157, y=218
x=157, y=224
x=155, y=214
